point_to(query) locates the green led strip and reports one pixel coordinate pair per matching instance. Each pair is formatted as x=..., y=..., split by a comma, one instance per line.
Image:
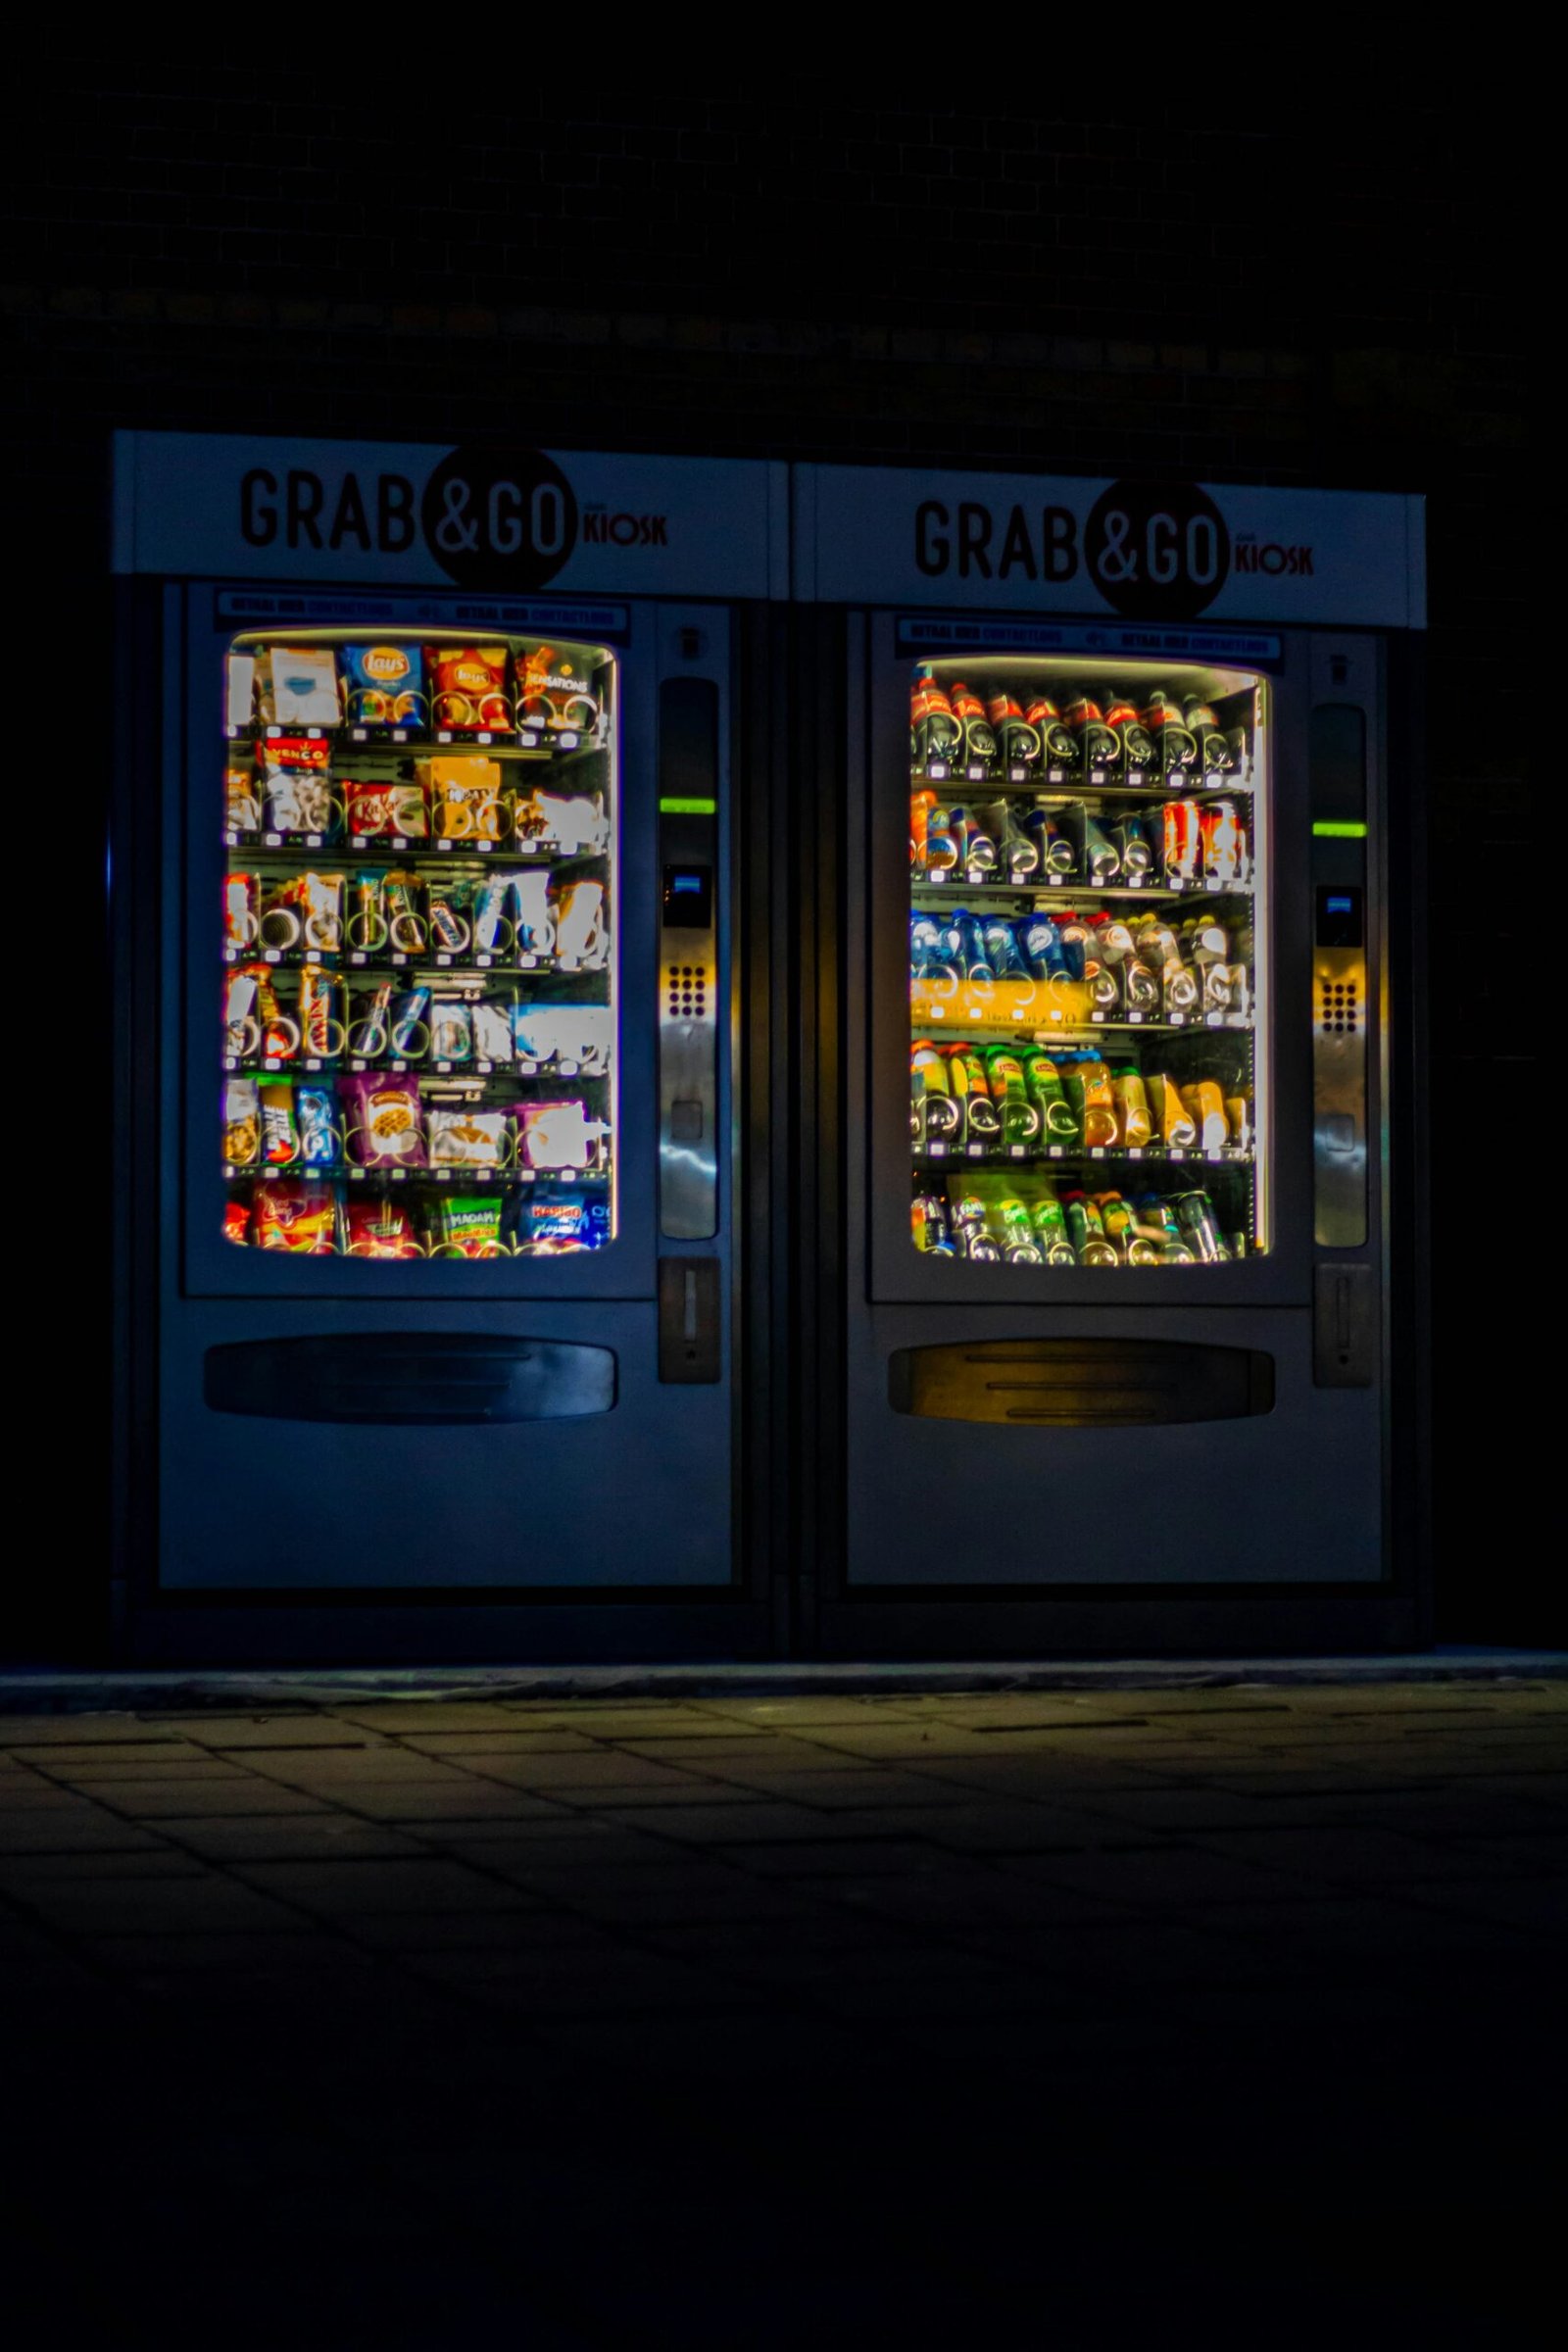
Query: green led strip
x=688, y=807
x=1338, y=832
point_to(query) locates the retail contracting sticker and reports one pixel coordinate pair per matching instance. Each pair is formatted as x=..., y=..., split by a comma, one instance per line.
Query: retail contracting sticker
x=506, y=518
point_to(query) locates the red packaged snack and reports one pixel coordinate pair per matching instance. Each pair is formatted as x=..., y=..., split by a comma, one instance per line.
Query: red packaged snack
x=380, y=1229
x=301, y=755
x=293, y=1213
x=236, y=1221
x=378, y=810
x=469, y=689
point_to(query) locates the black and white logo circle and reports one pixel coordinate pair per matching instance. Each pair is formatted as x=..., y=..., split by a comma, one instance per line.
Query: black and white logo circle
x=1157, y=550
x=499, y=517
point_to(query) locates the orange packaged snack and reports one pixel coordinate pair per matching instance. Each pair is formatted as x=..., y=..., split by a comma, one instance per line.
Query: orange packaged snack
x=469, y=689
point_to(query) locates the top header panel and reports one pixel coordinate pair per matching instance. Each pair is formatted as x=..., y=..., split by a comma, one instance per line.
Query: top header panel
x=499, y=519
x=1145, y=550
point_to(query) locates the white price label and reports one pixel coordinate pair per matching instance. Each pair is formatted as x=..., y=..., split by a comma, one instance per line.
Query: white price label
x=1096, y=1150
x=272, y=954
x=273, y=841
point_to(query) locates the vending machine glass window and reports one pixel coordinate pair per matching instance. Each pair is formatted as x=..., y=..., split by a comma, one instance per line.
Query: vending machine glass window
x=1089, y=962
x=418, y=985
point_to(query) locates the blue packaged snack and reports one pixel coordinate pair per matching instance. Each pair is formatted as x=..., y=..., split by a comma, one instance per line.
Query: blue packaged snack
x=552, y=1220
x=383, y=686
x=312, y=1112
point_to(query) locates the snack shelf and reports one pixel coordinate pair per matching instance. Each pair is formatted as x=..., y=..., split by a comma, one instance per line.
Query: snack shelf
x=369, y=743
x=400, y=850
x=1068, y=1155
x=452, y=1074
x=349, y=1171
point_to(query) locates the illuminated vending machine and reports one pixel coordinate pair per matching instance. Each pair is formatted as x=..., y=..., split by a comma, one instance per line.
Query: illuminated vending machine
x=431, y=899
x=1122, y=1341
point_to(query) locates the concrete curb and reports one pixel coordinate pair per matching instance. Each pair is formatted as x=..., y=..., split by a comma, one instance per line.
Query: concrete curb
x=45, y=1691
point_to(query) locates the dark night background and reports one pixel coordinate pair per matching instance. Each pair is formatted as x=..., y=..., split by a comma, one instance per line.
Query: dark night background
x=1335, y=303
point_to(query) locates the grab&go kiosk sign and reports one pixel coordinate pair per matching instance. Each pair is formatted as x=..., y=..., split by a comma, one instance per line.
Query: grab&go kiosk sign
x=1157, y=550
x=493, y=517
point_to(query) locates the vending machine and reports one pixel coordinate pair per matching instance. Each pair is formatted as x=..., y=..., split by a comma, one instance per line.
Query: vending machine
x=441, y=945
x=1115, y=1162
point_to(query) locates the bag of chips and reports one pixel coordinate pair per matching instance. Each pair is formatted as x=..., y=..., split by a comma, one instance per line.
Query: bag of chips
x=242, y=1122
x=242, y=805
x=466, y=798
x=296, y=686
x=468, y=1226
x=379, y=1229
x=553, y=1219
x=297, y=800
x=583, y=1037
x=385, y=1120
x=239, y=689
x=383, y=686
x=237, y=1222
x=469, y=689
x=554, y=700
x=296, y=1213
x=557, y=1135
x=468, y=1139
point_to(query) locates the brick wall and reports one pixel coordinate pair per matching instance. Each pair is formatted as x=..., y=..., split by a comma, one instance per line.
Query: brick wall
x=1338, y=305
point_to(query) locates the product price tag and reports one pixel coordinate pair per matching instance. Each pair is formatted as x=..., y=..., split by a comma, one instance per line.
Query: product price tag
x=1096, y=1150
x=567, y=1069
x=399, y=1065
x=1214, y=1020
x=356, y=956
x=231, y=1061
x=358, y=841
x=975, y=772
x=313, y=1061
x=357, y=1062
x=485, y=1065
x=271, y=1062
x=272, y=954
x=485, y=1175
x=936, y=1150
x=1177, y=1152
x=443, y=957
x=484, y=848
x=232, y=840
x=1016, y=1152
x=443, y=844
x=976, y=1150
x=939, y=1012
x=399, y=1175
x=231, y=954
x=398, y=956
x=1017, y=773
x=484, y=962
x=527, y=964
x=1214, y=882
x=1134, y=1016
x=1134, y=1150
x=443, y=1065
x=526, y=849
x=312, y=841
x=1056, y=1151
x=273, y=841
x=1178, y=1021
x=400, y=841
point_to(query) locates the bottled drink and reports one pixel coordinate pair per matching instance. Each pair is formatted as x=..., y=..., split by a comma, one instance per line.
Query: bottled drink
x=1018, y=1244
x=936, y=953
x=1018, y=851
x=1087, y=1232
x=935, y=735
x=1050, y=1230
x=1205, y=1108
x=1039, y=944
x=1183, y=840
x=1159, y=947
x=974, y=964
x=979, y=744
x=1018, y=737
x=1020, y=1117
x=1215, y=756
x=1173, y=1121
x=1058, y=745
x=970, y=1231
x=1118, y=950
x=976, y=850
x=1128, y=838
x=1137, y=746
x=1157, y=1219
x=1239, y=1119
x=931, y=1227
x=1199, y=1227
x=1133, y=1114
x=1095, y=852
x=935, y=1118
x=1000, y=944
x=941, y=848
x=1058, y=1121
x=966, y=1078
x=1089, y=1091
x=1098, y=746
x=1053, y=848
x=921, y=805
x=1224, y=837
x=1175, y=744
x=1080, y=939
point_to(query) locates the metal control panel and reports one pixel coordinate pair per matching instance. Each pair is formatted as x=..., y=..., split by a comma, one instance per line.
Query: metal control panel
x=688, y=959
x=1341, y=1011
